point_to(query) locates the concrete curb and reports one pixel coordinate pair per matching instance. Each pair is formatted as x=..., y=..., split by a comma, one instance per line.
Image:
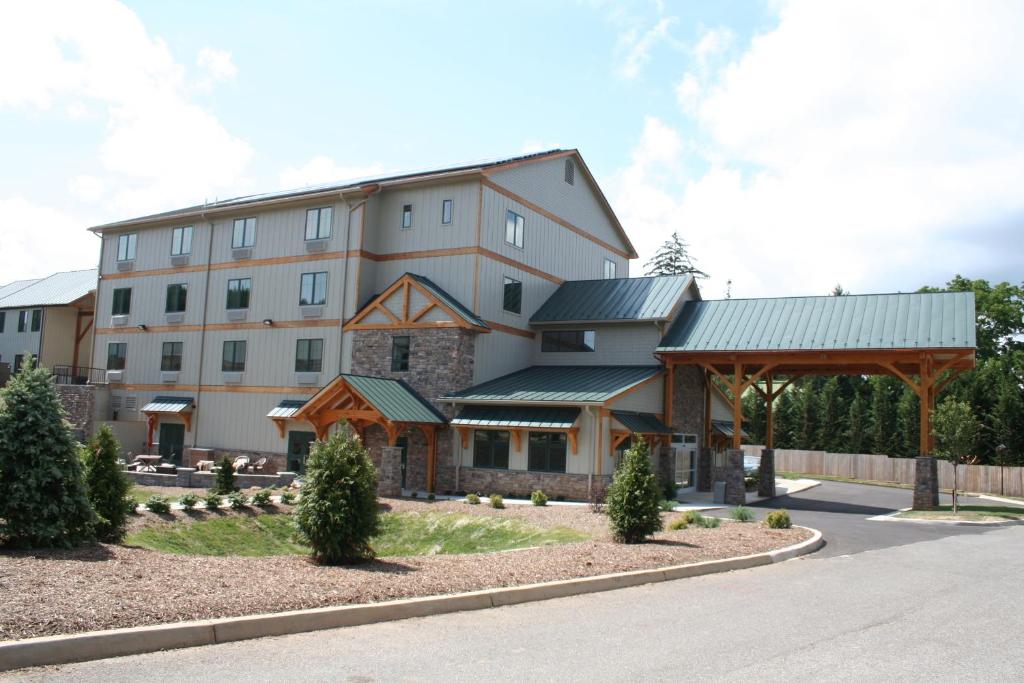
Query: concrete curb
x=81, y=647
x=894, y=517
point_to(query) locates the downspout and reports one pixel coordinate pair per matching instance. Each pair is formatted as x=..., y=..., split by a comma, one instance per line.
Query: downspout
x=96, y=305
x=344, y=285
x=198, y=414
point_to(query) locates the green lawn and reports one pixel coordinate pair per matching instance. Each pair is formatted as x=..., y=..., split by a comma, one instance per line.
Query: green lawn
x=967, y=513
x=406, y=533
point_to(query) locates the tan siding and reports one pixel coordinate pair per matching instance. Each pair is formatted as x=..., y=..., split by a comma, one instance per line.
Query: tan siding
x=618, y=344
x=58, y=339
x=649, y=398
x=426, y=232
x=499, y=354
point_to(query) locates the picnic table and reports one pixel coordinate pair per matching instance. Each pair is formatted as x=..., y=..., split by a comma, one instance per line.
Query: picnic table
x=148, y=463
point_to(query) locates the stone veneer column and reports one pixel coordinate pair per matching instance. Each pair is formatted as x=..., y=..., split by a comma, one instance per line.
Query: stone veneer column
x=389, y=481
x=766, y=473
x=926, y=483
x=705, y=465
x=735, y=489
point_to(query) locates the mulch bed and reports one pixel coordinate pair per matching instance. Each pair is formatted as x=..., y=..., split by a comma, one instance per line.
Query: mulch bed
x=107, y=586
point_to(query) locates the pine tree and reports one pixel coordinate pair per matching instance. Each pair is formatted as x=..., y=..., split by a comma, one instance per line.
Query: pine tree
x=224, y=483
x=830, y=431
x=755, y=416
x=43, y=502
x=807, y=436
x=634, y=497
x=673, y=258
x=1006, y=419
x=857, y=428
x=785, y=419
x=107, y=485
x=908, y=424
x=884, y=438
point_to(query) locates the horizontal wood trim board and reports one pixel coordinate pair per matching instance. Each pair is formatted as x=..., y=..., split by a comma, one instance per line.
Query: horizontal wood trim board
x=550, y=216
x=215, y=388
x=510, y=330
x=402, y=326
x=214, y=327
x=240, y=263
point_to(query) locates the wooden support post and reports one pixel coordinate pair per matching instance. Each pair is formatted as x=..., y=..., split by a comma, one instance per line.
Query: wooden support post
x=926, y=397
x=769, y=400
x=431, y=434
x=737, y=406
x=707, y=409
x=670, y=377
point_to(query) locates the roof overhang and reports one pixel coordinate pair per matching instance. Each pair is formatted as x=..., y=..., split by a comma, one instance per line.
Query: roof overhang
x=799, y=362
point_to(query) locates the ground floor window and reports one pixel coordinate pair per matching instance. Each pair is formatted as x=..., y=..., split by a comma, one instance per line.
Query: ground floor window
x=490, y=449
x=547, y=452
x=298, y=450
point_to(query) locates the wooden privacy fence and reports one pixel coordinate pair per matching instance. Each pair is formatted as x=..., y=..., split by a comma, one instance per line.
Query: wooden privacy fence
x=1006, y=481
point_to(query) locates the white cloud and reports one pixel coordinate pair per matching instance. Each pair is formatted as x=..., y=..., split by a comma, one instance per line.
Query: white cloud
x=323, y=169
x=38, y=240
x=636, y=46
x=88, y=188
x=712, y=43
x=217, y=63
x=876, y=146
x=688, y=93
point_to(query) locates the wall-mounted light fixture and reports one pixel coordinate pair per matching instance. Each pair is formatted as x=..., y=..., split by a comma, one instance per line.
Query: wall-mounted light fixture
x=268, y=322
x=141, y=326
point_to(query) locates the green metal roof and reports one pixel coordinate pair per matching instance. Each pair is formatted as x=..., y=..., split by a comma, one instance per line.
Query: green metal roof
x=449, y=300
x=641, y=423
x=724, y=427
x=517, y=416
x=869, y=321
x=286, y=408
x=395, y=399
x=558, y=384
x=640, y=298
x=168, y=404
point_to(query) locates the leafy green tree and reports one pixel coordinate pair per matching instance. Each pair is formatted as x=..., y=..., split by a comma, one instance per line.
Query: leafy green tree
x=1006, y=418
x=908, y=421
x=1000, y=313
x=107, y=485
x=884, y=437
x=224, y=483
x=338, y=513
x=673, y=258
x=956, y=434
x=857, y=427
x=634, y=497
x=43, y=501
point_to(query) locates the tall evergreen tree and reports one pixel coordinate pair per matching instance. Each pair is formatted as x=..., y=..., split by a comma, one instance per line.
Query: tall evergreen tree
x=831, y=431
x=673, y=258
x=786, y=423
x=107, y=485
x=808, y=403
x=1006, y=419
x=884, y=438
x=908, y=423
x=755, y=416
x=857, y=427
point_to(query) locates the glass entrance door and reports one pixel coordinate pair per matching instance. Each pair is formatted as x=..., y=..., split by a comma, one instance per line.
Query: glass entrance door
x=686, y=468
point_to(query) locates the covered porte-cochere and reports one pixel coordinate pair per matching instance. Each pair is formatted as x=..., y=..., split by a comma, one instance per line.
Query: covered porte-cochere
x=379, y=411
x=924, y=339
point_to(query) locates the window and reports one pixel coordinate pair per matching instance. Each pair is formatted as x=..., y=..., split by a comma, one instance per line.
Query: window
x=117, y=352
x=170, y=359
x=126, y=247
x=446, y=212
x=547, y=452
x=234, y=357
x=177, y=296
x=570, y=171
x=609, y=269
x=399, y=354
x=181, y=241
x=3, y=321
x=244, y=233
x=37, y=319
x=318, y=223
x=122, y=301
x=514, y=227
x=309, y=355
x=313, y=289
x=22, y=321
x=490, y=449
x=513, y=296
x=238, y=292
x=19, y=358
x=567, y=341
x=406, y=216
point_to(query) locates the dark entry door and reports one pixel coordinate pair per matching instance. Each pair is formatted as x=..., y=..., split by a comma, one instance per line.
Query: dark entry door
x=403, y=443
x=172, y=441
x=298, y=450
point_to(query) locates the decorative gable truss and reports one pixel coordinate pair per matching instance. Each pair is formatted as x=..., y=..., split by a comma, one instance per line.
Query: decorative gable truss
x=413, y=302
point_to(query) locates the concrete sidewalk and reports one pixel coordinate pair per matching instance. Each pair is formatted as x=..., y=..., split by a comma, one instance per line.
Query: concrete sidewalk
x=702, y=500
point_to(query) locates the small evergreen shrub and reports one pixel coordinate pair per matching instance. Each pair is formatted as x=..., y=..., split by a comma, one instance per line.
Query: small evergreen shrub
x=751, y=480
x=669, y=490
x=497, y=502
x=189, y=501
x=694, y=518
x=779, y=519
x=473, y=498
x=741, y=514
x=161, y=505
x=677, y=524
x=338, y=512
x=261, y=498
x=212, y=500
x=634, y=497
x=225, y=480
x=107, y=485
x=538, y=498
x=710, y=522
x=287, y=498
x=691, y=516
x=431, y=497
x=668, y=505
x=414, y=494
x=237, y=500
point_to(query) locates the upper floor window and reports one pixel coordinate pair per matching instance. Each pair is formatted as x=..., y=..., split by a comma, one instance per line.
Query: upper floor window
x=238, y=292
x=126, y=247
x=122, y=301
x=23, y=321
x=181, y=241
x=318, y=223
x=562, y=341
x=37, y=319
x=3, y=321
x=514, y=228
x=234, y=357
x=170, y=358
x=117, y=352
x=244, y=233
x=490, y=448
x=309, y=355
x=570, y=171
x=512, y=296
x=446, y=212
x=313, y=289
x=177, y=297
x=399, y=354
x=406, y=216
x=609, y=269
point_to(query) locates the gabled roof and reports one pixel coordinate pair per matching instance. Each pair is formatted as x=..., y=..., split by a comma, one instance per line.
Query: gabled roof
x=512, y=417
x=59, y=289
x=559, y=384
x=857, y=322
x=455, y=314
x=616, y=300
x=393, y=398
x=641, y=423
x=449, y=301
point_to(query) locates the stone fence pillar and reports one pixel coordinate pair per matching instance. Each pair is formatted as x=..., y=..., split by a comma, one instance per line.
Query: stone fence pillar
x=766, y=473
x=389, y=482
x=926, y=483
x=705, y=464
x=735, y=488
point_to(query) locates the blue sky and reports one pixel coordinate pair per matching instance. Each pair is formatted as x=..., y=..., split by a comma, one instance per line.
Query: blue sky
x=794, y=144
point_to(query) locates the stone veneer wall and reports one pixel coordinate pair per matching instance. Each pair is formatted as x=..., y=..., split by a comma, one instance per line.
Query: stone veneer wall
x=79, y=401
x=276, y=462
x=522, y=483
x=688, y=402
